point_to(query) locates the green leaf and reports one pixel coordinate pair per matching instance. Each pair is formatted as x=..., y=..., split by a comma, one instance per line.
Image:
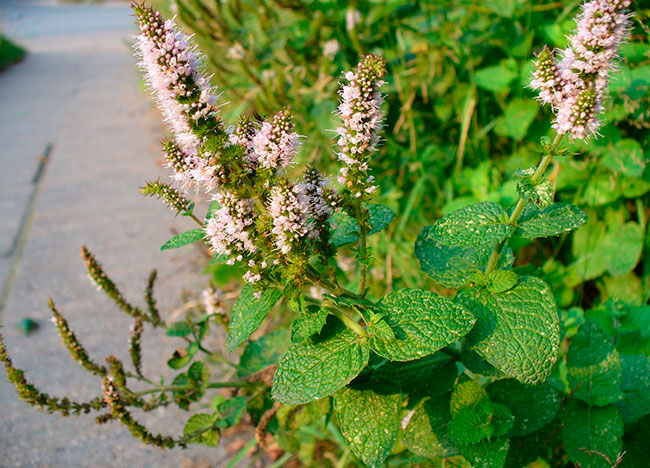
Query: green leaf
x=496, y=79
x=369, y=421
x=541, y=194
x=264, y=352
x=308, y=323
x=471, y=412
x=502, y=420
x=518, y=116
x=426, y=432
x=248, y=313
x=346, y=230
x=594, y=367
x=212, y=209
x=592, y=436
x=532, y=406
x=184, y=238
x=320, y=366
x=199, y=373
x=517, y=331
x=182, y=357
x=451, y=266
x=179, y=329
x=553, y=221
x=480, y=225
x=636, y=387
x=487, y=454
x=626, y=157
x=421, y=322
x=635, y=444
x=202, y=423
x=501, y=281
x=231, y=411
x=623, y=245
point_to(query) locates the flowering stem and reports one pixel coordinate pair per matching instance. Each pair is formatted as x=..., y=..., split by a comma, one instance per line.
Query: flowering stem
x=363, y=250
x=516, y=213
x=180, y=388
x=317, y=278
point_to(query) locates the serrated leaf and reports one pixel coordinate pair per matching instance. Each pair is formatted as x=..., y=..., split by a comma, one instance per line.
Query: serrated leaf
x=320, y=366
x=231, y=411
x=594, y=367
x=487, y=454
x=516, y=331
x=480, y=225
x=518, y=116
x=421, y=322
x=248, y=313
x=308, y=323
x=552, y=221
x=636, y=387
x=199, y=373
x=346, y=230
x=184, y=238
x=451, y=266
x=264, y=352
x=471, y=425
x=199, y=423
x=467, y=394
x=592, y=436
x=426, y=432
x=532, y=406
x=541, y=194
x=179, y=329
x=369, y=421
x=501, y=281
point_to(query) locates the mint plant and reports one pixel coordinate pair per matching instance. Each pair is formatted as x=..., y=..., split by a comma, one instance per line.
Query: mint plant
x=489, y=374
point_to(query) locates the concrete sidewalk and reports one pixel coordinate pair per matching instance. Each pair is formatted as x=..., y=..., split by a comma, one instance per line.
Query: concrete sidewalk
x=76, y=100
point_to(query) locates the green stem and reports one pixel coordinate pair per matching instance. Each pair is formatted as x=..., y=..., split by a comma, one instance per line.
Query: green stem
x=363, y=250
x=348, y=321
x=516, y=213
x=317, y=278
x=198, y=221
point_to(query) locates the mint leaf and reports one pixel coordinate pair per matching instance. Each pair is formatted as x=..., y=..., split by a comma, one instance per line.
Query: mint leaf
x=308, y=323
x=421, y=323
x=592, y=436
x=487, y=454
x=203, y=426
x=636, y=387
x=594, y=367
x=345, y=229
x=179, y=329
x=517, y=331
x=541, y=194
x=471, y=412
x=623, y=245
x=450, y=266
x=480, y=225
x=502, y=420
x=184, y=238
x=532, y=406
x=264, y=352
x=369, y=421
x=426, y=432
x=626, y=157
x=501, y=280
x=248, y=313
x=319, y=366
x=553, y=221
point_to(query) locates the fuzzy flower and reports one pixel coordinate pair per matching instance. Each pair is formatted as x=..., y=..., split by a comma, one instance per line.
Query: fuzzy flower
x=318, y=199
x=289, y=212
x=171, y=65
x=168, y=194
x=212, y=301
x=275, y=145
x=358, y=137
x=180, y=161
x=575, y=84
x=229, y=230
x=331, y=48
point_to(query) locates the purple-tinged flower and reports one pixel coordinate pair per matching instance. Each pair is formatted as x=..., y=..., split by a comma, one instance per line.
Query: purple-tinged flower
x=171, y=65
x=319, y=200
x=358, y=137
x=230, y=229
x=575, y=84
x=289, y=213
x=275, y=145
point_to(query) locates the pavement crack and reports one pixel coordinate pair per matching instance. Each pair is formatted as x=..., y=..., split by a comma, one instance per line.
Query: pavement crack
x=15, y=252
